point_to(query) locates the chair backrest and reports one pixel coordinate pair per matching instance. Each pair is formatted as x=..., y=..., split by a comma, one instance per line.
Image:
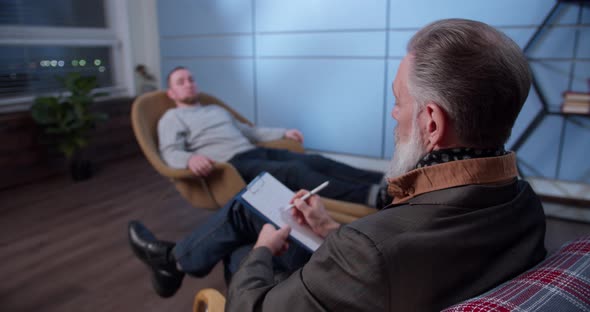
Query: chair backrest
x=146, y=112
x=561, y=282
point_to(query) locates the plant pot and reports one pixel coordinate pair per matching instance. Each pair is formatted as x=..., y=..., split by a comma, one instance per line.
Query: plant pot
x=80, y=169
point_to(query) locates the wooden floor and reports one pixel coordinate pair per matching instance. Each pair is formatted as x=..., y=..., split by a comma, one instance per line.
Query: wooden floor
x=64, y=245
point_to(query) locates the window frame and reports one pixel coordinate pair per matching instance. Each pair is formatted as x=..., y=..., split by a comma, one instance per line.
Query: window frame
x=115, y=35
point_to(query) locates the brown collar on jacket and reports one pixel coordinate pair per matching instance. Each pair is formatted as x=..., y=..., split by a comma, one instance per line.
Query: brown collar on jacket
x=486, y=170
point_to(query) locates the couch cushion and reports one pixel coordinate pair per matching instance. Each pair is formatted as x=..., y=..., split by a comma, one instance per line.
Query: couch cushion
x=561, y=282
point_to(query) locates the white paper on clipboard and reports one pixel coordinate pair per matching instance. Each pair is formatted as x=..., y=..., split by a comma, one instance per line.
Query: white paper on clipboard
x=268, y=195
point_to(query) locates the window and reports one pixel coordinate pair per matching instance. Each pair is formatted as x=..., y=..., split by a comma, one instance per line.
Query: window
x=33, y=69
x=41, y=40
x=66, y=13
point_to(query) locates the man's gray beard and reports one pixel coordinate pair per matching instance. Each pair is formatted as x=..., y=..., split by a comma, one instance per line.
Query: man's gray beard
x=190, y=99
x=406, y=155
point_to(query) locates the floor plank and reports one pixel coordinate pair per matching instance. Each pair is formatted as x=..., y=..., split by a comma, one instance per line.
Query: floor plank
x=64, y=245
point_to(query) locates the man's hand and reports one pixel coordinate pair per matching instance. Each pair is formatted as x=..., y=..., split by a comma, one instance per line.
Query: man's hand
x=294, y=134
x=200, y=165
x=273, y=239
x=313, y=214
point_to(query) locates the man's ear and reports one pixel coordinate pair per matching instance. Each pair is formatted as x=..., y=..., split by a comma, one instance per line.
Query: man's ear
x=436, y=127
x=170, y=94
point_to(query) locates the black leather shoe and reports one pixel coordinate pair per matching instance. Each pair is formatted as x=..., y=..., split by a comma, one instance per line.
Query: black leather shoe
x=156, y=254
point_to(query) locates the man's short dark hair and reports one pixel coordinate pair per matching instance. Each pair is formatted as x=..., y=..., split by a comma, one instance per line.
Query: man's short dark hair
x=478, y=75
x=172, y=72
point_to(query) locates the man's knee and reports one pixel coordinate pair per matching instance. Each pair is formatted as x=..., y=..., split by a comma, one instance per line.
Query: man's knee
x=291, y=170
x=295, y=166
x=316, y=157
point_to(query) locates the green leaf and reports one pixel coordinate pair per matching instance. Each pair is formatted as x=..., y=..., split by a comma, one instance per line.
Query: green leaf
x=44, y=110
x=54, y=130
x=67, y=149
x=81, y=142
x=100, y=116
x=46, y=100
x=69, y=81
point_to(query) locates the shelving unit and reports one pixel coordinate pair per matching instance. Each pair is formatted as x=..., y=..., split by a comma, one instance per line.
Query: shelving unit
x=545, y=110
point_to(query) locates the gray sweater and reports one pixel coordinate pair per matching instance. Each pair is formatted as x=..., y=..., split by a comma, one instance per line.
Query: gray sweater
x=207, y=130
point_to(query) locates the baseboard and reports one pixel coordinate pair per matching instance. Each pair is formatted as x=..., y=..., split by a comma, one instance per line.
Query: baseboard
x=574, y=192
x=561, y=211
x=368, y=163
x=563, y=199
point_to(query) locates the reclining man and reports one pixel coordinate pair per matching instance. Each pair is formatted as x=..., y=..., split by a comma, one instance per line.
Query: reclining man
x=195, y=136
x=461, y=221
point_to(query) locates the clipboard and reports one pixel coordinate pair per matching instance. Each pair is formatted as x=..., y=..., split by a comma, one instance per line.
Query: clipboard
x=266, y=196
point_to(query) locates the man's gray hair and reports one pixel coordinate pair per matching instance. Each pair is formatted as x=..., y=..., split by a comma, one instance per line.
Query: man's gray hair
x=475, y=73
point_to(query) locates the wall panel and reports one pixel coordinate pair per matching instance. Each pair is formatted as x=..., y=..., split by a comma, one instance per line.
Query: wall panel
x=576, y=148
x=339, y=44
x=553, y=77
x=418, y=13
x=312, y=15
x=529, y=111
x=390, y=123
x=336, y=103
x=190, y=17
x=538, y=155
x=226, y=46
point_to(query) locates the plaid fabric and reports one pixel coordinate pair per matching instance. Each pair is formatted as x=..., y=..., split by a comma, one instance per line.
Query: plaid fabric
x=559, y=283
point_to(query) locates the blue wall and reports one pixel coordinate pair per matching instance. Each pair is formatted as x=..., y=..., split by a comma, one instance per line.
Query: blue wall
x=326, y=67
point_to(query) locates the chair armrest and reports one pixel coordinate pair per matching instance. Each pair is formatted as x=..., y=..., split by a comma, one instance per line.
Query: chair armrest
x=287, y=144
x=225, y=182
x=213, y=191
x=173, y=173
x=558, y=283
x=346, y=212
x=210, y=300
x=341, y=218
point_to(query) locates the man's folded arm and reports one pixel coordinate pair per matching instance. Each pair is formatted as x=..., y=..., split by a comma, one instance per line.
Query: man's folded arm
x=344, y=274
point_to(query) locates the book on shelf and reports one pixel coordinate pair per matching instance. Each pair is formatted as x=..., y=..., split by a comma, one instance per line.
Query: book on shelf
x=576, y=107
x=576, y=96
x=576, y=102
x=575, y=110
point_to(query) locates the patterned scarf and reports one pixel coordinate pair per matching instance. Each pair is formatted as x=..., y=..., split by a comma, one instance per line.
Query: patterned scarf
x=446, y=155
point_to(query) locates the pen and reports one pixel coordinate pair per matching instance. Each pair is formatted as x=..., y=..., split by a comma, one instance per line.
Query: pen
x=308, y=195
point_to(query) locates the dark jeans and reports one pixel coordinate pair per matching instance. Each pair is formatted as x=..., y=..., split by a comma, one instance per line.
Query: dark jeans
x=304, y=171
x=229, y=235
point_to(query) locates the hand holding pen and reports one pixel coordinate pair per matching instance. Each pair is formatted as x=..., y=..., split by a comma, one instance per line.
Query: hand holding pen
x=308, y=195
x=312, y=213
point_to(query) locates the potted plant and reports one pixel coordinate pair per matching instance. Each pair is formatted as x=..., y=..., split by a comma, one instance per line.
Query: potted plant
x=67, y=120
